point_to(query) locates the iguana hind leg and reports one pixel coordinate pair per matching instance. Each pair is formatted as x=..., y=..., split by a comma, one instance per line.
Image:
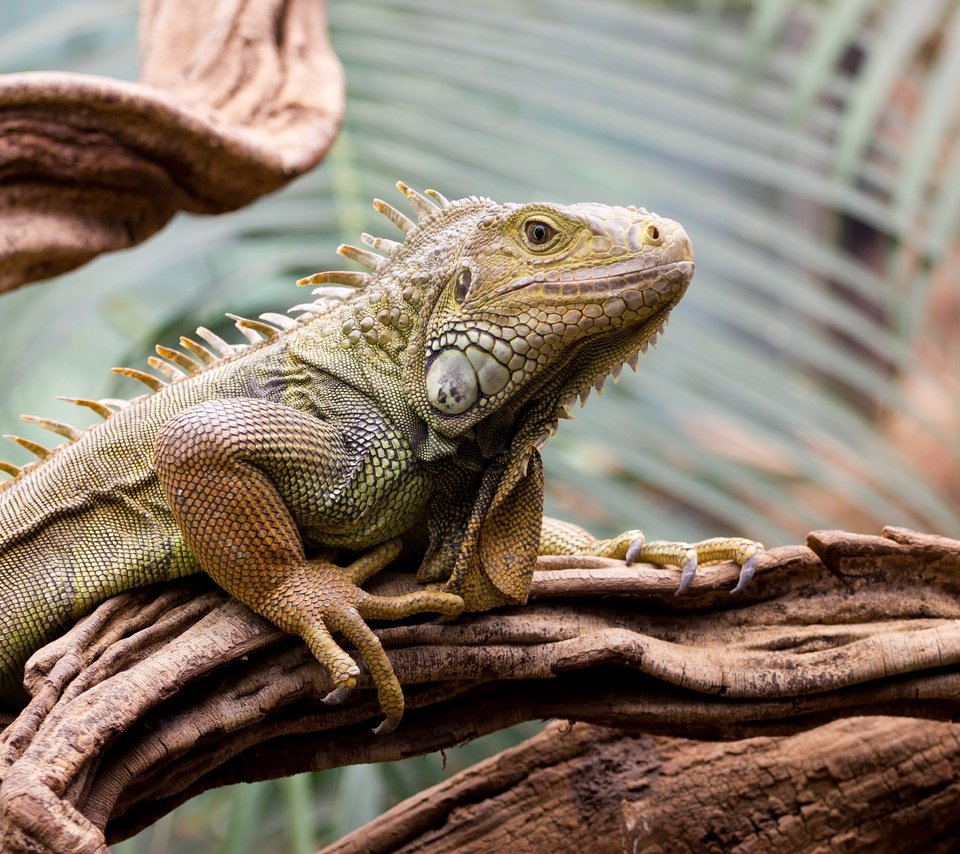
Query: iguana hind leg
x=226, y=469
x=559, y=537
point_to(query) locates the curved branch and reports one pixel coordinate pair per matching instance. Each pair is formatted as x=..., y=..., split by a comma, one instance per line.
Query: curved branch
x=865, y=784
x=156, y=697
x=235, y=99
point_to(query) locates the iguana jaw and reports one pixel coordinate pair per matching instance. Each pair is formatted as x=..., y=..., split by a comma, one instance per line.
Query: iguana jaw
x=588, y=368
x=600, y=358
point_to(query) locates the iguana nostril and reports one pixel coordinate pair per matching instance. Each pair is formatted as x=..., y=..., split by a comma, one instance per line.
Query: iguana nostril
x=653, y=234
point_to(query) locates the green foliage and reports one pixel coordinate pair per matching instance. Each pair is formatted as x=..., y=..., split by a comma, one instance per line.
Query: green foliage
x=810, y=149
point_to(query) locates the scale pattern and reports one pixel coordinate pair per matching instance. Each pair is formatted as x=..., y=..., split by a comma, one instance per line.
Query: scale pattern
x=404, y=408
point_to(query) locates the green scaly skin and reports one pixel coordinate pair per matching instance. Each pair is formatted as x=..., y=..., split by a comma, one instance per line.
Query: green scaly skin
x=408, y=414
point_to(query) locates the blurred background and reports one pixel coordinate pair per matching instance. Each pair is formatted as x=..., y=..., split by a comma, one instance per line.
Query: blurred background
x=809, y=379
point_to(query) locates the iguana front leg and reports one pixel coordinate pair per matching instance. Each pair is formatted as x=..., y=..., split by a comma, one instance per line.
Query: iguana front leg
x=559, y=537
x=240, y=474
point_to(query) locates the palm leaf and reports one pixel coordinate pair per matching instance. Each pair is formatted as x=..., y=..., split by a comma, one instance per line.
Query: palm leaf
x=810, y=148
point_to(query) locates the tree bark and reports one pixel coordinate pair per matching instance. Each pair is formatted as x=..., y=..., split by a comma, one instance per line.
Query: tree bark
x=235, y=98
x=862, y=784
x=161, y=694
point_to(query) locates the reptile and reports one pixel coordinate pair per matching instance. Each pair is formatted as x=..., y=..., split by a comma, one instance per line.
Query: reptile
x=406, y=413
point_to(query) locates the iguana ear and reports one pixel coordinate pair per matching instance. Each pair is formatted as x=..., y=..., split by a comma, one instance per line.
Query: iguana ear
x=499, y=549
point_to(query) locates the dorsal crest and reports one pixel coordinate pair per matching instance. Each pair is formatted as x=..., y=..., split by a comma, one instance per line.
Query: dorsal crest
x=172, y=365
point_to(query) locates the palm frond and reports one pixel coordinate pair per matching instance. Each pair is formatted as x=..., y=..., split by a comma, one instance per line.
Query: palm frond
x=811, y=149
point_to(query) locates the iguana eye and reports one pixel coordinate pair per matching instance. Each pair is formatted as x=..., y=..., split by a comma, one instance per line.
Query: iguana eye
x=538, y=233
x=462, y=284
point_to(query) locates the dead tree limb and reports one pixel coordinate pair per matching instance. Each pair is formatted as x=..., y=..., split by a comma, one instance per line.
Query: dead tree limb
x=854, y=785
x=234, y=100
x=158, y=696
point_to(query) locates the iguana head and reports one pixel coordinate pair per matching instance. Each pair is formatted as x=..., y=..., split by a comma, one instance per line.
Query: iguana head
x=542, y=298
x=535, y=301
x=493, y=312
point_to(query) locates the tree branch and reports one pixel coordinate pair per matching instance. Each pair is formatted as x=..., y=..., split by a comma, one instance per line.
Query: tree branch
x=863, y=784
x=234, y=100
x=160, y=695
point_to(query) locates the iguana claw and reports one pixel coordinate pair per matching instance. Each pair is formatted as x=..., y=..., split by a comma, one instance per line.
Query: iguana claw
x=741, y=551
x=338, y=695
x=746, y=573
x=633, y=550
x=687, y=573
x=386, y=725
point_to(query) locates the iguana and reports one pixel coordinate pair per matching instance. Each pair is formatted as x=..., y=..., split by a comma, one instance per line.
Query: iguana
x=408, y=414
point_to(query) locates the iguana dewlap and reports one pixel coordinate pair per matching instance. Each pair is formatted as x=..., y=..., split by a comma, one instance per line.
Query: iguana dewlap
x=406, y=414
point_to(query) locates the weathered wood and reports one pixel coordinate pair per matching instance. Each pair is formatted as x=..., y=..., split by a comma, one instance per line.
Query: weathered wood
x=862, y=784
x=234, y=100
x=160, y=695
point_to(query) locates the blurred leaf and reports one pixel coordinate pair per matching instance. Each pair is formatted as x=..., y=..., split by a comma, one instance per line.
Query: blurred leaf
x=360, y=798
x=901, y=35
x=247, y=814
x=837, y=28
x=297, y=797
x=760, y=39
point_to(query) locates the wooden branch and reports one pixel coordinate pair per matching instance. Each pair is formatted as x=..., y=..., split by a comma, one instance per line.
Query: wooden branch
x=159, y=695
x=863, y=784
x=234, y=100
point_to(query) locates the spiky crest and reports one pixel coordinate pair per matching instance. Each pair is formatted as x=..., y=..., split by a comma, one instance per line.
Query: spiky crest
x=218, y=344
x=348, y=278
x=148, y=380
x=422, y=206
x=10, y=469
x=254, y=331
x=280, y=321
x=370, y=260
x=438, y=197
x=404, y=223
x=175, y=365
x=182, y=360
x=171, y=372
x=198, y=350
x=98, y=406
x=381, y=244
x=35, y=448
x=58, y=427
x=307, y=308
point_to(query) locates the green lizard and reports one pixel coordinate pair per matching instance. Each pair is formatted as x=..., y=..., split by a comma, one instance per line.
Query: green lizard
x=408, y=414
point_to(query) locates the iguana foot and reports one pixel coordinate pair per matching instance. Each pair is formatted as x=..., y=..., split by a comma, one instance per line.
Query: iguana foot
x=631, y=547
x=323, y=599
x=559, y=537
